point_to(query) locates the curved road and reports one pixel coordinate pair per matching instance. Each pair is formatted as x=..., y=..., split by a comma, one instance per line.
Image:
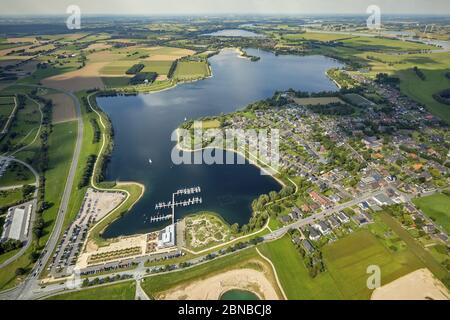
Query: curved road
x=25, y=290
x=33, y=217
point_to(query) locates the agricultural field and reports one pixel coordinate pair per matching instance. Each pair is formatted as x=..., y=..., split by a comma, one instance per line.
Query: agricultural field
x=433, y=65
x=118, y=291
x=160, y=67
x=437, y=207
x=191, y=70
x=323, y=37
x=6, y=108
x=346, y=261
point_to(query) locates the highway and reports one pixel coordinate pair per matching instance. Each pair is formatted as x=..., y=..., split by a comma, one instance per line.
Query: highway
x=25, y=289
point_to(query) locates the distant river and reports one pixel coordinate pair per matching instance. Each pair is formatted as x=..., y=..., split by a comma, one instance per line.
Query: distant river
x=143, y=125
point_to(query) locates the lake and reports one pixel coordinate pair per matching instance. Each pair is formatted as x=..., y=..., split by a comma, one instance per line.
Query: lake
x=239, y=295
x=144, y=123
x=235, y=33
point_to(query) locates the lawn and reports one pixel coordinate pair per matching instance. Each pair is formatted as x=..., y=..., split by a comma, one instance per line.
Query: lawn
x=437, y=207
x=10, y=197
x=118, y=291
x=191, y=70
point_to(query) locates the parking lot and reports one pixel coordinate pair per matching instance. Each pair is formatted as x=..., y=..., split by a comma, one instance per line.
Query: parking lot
x=96, y=205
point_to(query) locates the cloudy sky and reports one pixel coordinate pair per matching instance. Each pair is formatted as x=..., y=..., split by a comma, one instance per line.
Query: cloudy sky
x=188, y=7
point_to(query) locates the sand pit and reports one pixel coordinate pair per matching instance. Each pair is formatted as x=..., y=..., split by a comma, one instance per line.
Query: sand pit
x=63, y=108
x=212, y=288
x=418, y=285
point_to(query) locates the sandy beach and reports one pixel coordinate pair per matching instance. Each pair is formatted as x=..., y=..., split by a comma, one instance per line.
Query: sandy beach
x=418, y=285
x=212, y=288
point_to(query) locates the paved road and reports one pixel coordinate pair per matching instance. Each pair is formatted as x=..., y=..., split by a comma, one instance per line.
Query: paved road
x=303, y=222
x=24, y=291
x=33, y=217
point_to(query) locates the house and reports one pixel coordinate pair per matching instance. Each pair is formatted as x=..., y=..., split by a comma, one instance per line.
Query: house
x=296, y=214
x=334, y=223
x=323, y=227
x=308, y=246
x=429, y=228
x=297, y=240
x=383, y=200
x=342, y=217
x=314, y=235
x=284, y=219
x=364, y=205
x=319, y=199
x=362, y=219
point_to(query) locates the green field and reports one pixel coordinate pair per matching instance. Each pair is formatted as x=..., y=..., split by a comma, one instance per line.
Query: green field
x=10, y=197
x=417, y=249
x=324, y=37
x=119, y=67
x=160, y=67
x=384, y=44
x=433, y=65
x=191, y=70
x=437, y=207
x=346, y=261
x=62, y=144
x=118, y=291
x=294, y=276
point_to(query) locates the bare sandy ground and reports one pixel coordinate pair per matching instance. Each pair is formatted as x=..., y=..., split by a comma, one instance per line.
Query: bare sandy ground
x=212, y=288
x=418, y=285
x=98, y=46
x=22, y=39
x=63, y=108
x=5, y=52
x=82, y=79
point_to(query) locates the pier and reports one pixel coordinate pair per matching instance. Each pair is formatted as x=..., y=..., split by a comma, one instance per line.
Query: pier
x=174, y=204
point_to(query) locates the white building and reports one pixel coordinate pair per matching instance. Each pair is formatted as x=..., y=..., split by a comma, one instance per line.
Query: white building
x=166, y=237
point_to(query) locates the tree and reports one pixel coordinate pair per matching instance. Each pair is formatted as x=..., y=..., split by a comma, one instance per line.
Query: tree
x=235, y=228
x=20, y=271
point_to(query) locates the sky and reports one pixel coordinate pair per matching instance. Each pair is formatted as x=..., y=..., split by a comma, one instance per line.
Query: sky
x=214, y=7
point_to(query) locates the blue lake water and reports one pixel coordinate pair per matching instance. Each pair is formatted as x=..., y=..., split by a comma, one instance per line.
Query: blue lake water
x=143, y=126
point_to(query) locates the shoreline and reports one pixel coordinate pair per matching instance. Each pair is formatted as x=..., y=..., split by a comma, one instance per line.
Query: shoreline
x=252, y=162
